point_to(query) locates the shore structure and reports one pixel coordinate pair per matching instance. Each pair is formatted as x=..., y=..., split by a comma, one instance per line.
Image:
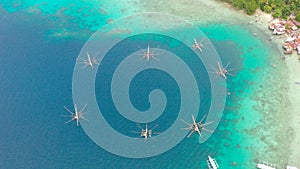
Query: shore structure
x=265, y=166
x=291, y=167
x=282, y=27
x=292, y=43
x=271, y=166
x=290, y=28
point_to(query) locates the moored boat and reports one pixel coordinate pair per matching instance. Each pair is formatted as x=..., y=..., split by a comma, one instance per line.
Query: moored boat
x=212, y=163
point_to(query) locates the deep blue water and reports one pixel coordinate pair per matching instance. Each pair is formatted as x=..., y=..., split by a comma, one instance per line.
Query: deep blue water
x=35, y=83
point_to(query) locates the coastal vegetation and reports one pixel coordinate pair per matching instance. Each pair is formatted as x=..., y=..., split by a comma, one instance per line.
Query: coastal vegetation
x=278, y=8
x=298, y=17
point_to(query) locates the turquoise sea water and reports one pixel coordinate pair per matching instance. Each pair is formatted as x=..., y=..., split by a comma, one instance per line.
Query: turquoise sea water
x=39, y=45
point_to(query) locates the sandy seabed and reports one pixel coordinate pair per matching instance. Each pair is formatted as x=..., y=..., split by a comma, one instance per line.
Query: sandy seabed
x=293, y=67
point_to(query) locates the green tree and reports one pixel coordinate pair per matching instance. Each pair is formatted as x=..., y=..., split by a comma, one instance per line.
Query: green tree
x=267, y=9
x=250, y=7
x=262, y=4
x=293, y=6
x=278, y=8
x=286, y=11
x=273, y=5
x=277, y=13
x=298, y=17
x=239, y=4
x=279, y=2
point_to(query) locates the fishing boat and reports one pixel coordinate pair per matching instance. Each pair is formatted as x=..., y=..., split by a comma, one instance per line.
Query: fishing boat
x=212, y=163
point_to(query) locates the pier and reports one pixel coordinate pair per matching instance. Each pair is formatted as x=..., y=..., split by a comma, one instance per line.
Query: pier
x=291, y=167
x=270, y=166
x=265, y=166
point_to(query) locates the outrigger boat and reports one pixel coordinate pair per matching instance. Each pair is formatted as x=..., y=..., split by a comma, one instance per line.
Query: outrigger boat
x=212, y=163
